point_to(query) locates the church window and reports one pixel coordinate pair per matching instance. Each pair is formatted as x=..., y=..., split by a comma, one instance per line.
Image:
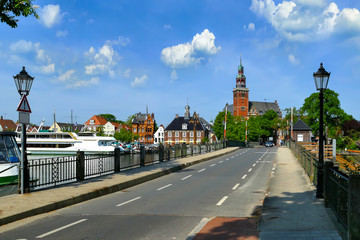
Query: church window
x=243, y=94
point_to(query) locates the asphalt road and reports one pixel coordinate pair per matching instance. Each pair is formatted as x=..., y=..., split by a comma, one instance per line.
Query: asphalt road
x=174, y=206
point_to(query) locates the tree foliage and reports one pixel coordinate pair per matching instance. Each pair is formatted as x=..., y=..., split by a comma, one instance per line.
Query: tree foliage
x=334, y=116
x=109, y=117
x=219, y=124
x=124, y=136
x=9, y=9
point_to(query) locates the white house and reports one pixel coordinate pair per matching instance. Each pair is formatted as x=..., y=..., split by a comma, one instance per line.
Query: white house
x=159, y=135
x=109, y=128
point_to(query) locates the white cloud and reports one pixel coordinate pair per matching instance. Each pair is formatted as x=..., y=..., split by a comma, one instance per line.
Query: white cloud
x=186, y=54
x=71, y=81
x=251, y=27
x=62, y=33
x=139, y=82
x=50, y=15
x=66, y=76
x=307, y=20
x=293, y=59
x=121, y=41
x=47, y=69
x=127, y=73
x=104, y=60
x=174, y=75
x=22, y=46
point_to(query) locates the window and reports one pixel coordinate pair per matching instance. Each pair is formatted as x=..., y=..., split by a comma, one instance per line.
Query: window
x=191, y=140
x=184, y=134
x=184, y=140
x=184, y=126
x=92, y=121
x=242, y=108
x=177, y=141
x=300, y=137
x=134, y=130
x=191, y=134
x=176, y=134
x=169, y=134
x=199, y=134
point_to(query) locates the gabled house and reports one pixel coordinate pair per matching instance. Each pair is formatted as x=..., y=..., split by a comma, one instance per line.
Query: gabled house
x=301, y=132
x=7, y=125
x=186, y=129
x=95, y=123
x=144, y=126
x=110, y=128
x=159, y=135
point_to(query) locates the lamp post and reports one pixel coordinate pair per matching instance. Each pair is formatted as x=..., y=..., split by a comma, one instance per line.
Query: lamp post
x=23, y=82
x=321, y=78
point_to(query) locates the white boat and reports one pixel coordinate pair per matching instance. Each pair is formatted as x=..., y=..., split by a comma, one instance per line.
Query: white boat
x=9, y=158
x=67, y=143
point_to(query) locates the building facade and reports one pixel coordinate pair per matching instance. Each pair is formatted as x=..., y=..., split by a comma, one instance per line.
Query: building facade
x=159, y=135
x=301, y=132
x=95, y=123
x=241, y=106
x=144, y=126
x=185, y=129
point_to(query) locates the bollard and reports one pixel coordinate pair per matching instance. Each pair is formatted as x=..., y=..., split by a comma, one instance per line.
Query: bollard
x=117, y=160
x=80, y=165
x=142, y=155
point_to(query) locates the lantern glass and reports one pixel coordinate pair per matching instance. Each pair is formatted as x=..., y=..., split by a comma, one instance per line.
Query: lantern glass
x=321, y=78
x=23, y=82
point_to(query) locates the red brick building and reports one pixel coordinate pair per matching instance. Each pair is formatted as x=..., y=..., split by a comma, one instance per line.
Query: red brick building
x=144, y=126
x=241, y=106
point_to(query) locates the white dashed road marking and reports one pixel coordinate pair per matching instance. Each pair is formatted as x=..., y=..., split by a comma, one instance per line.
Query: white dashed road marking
x=61, y=228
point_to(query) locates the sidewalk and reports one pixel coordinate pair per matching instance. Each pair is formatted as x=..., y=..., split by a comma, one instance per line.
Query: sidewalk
x=290, y=210
x=15, y=207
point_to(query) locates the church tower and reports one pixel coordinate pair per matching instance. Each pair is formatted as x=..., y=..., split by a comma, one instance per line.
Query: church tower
x=241, y=94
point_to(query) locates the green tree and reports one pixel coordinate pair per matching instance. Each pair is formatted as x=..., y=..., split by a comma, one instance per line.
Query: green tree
x=219, y=127
x=334, y=116
x=109, y=117
x=129, y=120
x=9, y=9
x=124, y=136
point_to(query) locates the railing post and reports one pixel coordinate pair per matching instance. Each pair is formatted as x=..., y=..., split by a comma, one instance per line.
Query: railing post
x=328, y=165
x=80, y=165
x=199, y=148
x=191, y=149
x=142, y=155
x=168, y=152
x=183, y=150
x=354, y=207
x=161, y=152
x=117, y=160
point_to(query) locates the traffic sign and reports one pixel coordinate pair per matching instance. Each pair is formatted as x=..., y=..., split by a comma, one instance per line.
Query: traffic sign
x=24, y=105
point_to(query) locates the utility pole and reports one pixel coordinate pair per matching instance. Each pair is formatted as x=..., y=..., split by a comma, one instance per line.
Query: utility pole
x=292, y=123
x=225, y=121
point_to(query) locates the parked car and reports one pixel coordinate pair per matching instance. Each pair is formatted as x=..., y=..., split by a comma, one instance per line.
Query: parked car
x=269, y=144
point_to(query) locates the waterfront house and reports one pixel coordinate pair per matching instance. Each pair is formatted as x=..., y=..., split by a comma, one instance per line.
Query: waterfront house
x=159, y=135
x=95, y=124
x=7, y=125
x=186, y=129
x=144, y=126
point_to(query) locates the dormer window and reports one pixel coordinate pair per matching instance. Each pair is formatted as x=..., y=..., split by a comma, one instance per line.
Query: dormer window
x=92, y=121
x=184, y=126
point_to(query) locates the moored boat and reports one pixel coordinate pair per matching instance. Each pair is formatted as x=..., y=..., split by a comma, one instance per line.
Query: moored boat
x=9, y=158
x=67, y=143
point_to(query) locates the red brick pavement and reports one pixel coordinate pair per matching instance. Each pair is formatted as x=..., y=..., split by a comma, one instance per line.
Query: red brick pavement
x=221, y=228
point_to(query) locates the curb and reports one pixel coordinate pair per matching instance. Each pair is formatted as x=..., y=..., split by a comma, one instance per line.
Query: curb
x=103, y=191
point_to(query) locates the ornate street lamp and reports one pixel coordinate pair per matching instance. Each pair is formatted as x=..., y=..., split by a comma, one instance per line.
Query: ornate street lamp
x=321, y=78
x=23, y=82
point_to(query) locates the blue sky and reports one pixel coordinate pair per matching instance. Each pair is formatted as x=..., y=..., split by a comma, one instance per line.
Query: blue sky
x=117, y=57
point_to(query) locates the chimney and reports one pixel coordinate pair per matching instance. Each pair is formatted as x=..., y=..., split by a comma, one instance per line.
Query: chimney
x=176, y=115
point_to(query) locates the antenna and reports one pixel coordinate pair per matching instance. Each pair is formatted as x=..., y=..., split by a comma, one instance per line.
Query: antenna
x=147, y=110
x=240, y=60
x=72, y=119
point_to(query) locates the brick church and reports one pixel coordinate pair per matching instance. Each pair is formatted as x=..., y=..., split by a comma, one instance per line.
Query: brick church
x=242, y=106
